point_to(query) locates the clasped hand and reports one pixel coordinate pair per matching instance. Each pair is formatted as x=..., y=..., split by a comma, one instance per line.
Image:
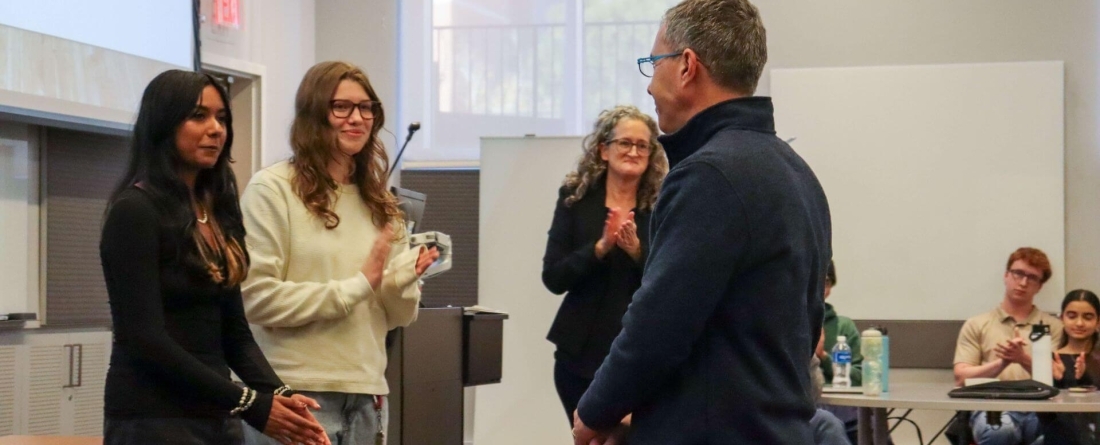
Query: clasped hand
x=290, y=421
x=583, y=435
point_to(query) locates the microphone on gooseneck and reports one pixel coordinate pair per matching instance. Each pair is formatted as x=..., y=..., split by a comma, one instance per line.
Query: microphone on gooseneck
x=413, y=127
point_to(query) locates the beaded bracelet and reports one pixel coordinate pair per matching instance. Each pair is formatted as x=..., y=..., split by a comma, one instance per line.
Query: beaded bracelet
x=244, y=398
x=251, y=400
x=282, y=390
x=247, y=398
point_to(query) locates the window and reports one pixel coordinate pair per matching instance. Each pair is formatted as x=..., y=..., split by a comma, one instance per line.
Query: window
x=479, y=68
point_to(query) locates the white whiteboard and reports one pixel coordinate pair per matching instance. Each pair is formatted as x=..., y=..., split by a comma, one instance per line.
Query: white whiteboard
x=934, y=175
x=520, y=178
x=153, y=29
x=19, y=220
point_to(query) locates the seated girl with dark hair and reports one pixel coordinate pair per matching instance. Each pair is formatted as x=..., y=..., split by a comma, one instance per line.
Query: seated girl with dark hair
x=1075, y=365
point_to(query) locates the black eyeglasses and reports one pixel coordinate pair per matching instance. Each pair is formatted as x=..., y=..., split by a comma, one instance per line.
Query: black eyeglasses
x=647, y=64
x=624, y=146
x=367, y=108
x=1019, y=275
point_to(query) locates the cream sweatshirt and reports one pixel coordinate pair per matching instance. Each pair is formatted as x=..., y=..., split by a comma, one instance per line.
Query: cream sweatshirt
x=313, y=313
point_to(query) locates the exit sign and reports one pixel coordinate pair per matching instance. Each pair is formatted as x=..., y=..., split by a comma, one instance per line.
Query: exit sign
x=227, y=13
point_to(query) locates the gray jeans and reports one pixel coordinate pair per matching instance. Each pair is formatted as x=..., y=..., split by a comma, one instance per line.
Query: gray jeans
x=1014, y=428
x=828, y=429
x=349, y=419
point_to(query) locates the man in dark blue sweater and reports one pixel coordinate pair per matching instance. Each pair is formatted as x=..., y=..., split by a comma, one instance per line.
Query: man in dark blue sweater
x=716, y=342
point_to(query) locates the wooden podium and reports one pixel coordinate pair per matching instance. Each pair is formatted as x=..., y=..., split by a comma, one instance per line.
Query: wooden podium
x=429, y=364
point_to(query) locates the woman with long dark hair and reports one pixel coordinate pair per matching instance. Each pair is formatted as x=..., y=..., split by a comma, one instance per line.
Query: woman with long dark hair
x=1079, y=320
x=1075, y=365
x=597, y=243
x=332, y=270
x=173, y=258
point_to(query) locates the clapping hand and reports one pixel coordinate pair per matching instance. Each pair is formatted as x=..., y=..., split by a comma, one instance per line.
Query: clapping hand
x=383, y=243
x=628, y=238
x=1079, y=367
x=611, y=226
x=379, y=253
x=1058, y=369
x=426, y=258
x=1012, y=351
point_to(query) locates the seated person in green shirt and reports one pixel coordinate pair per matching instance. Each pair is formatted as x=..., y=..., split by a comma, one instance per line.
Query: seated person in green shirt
x=839, y=325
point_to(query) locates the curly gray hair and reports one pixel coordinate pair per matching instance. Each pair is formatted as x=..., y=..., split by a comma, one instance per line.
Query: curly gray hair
x=592, y=167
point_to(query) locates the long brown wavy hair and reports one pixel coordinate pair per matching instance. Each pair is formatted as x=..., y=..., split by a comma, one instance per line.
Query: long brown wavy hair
x=592, y=169
x=314, y=143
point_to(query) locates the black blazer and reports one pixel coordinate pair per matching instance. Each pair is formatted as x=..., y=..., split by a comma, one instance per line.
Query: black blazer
x=599, y=291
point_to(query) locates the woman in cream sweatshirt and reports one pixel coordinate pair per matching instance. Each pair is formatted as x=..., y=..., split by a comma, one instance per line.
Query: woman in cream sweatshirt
x=331, y=268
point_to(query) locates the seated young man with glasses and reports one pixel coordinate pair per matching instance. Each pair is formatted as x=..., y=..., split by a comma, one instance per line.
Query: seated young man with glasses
x=993, y=345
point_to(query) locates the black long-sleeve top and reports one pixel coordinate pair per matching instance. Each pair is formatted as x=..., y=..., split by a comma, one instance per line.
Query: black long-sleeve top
x=176, y=334
x=599, y=290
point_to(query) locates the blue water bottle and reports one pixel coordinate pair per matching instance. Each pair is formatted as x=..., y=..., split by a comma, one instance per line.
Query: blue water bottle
x=842, y=363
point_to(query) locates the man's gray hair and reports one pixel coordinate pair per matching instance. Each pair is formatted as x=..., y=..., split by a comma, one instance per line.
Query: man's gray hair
x=728, y=36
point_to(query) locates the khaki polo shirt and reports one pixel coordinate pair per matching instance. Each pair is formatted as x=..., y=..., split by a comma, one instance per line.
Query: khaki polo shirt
x=981, y=334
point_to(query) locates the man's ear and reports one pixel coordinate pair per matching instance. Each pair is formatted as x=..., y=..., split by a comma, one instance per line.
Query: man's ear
x=690, y=66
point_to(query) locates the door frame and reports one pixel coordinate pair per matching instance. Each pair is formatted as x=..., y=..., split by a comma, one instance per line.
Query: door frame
x=256, y=73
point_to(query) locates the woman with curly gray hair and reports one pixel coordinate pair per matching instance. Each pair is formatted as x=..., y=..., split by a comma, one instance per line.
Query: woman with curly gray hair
x=598, y=241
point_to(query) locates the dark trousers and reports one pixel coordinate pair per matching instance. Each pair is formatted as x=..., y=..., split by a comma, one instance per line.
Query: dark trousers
x=570, y=389
x=173, y=431
x=1069, y=428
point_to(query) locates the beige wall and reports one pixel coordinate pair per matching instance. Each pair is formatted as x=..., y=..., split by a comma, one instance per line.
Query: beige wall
x=287, y=50
x=807, y=33
x=279, y=35
x=364, y=33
